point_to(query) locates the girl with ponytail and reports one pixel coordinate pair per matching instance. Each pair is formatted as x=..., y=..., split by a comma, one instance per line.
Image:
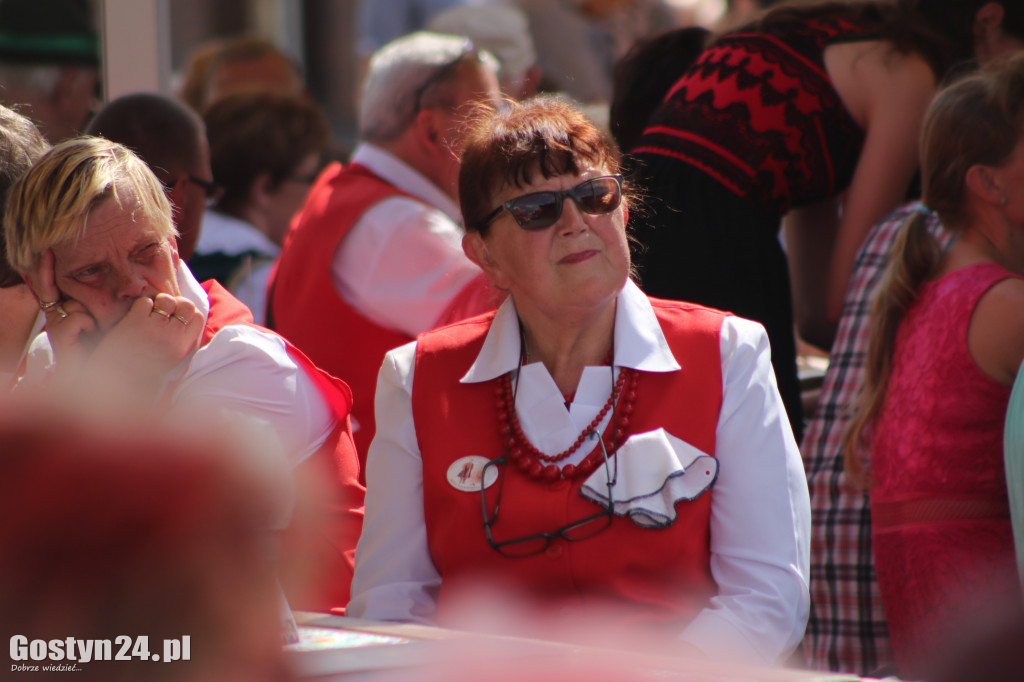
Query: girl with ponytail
x=947, y=340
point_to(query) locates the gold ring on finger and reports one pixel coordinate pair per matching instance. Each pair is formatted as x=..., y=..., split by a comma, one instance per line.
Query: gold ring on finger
x=161, y=311
x=181, y=319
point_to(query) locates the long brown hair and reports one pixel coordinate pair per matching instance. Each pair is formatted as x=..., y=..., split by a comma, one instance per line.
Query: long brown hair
x=978, y=120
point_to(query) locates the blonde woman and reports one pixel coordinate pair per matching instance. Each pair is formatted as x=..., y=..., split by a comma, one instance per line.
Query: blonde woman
x=131, y=336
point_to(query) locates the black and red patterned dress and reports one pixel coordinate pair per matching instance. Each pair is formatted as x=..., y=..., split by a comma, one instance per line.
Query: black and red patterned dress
x=753, y=129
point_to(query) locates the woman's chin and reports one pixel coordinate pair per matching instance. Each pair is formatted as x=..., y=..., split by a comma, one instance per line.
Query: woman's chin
x=600, y=286
x=595, y=294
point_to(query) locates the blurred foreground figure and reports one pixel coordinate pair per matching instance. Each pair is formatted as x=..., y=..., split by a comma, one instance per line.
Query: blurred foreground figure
x=987, y=648
x=107, y=536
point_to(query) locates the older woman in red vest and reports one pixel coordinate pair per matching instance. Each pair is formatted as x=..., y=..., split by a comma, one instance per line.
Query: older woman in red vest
x=584, y=449
x=134, y=340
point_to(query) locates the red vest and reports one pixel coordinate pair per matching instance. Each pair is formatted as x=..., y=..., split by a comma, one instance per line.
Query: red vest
x=306, y=308
x=652, y=575
x=318, y=549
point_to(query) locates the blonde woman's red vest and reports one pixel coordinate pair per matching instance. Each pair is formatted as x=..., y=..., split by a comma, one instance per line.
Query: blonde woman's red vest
x=648, y=576
x=317, y=556
x=304, y=305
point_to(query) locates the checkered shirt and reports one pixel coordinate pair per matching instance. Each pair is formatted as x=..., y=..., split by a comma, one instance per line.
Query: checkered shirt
x=846, y=631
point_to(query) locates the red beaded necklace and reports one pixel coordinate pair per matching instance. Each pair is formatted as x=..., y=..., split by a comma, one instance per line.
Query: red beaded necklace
x=531, y=461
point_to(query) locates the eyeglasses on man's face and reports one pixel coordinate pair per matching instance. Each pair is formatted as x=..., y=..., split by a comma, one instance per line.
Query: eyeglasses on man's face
x=210, y=188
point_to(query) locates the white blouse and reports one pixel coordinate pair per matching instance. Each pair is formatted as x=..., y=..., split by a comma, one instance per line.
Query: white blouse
x=402, y=263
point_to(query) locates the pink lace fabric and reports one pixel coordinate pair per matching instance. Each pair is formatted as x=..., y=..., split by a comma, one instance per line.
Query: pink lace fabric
x=939, y=441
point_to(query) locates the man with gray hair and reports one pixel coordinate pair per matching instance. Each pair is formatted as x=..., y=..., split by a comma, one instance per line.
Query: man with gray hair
x=374, y=257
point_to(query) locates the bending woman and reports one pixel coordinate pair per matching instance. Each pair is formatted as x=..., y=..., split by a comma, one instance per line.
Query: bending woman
x=947, y=340
x=784, y=117
x=584, y=446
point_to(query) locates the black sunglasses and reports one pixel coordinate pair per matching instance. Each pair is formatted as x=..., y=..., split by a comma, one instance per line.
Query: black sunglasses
x=528, y=545
x=540, y=210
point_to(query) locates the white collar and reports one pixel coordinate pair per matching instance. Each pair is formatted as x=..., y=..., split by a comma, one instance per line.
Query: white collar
x=403, y=176
x=638, y=339
x=190, y=288
x=223, y=233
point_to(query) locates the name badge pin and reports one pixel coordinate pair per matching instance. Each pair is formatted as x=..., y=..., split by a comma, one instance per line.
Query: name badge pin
x=465, y=473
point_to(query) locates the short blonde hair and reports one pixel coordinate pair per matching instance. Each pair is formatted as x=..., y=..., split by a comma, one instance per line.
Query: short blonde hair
x=50, y=204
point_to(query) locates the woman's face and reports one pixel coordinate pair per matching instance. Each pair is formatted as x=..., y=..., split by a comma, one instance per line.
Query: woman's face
x=579, y=263
x=117, y=260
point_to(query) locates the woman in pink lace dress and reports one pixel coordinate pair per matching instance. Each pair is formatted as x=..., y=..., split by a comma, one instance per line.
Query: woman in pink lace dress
x=947, y=339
